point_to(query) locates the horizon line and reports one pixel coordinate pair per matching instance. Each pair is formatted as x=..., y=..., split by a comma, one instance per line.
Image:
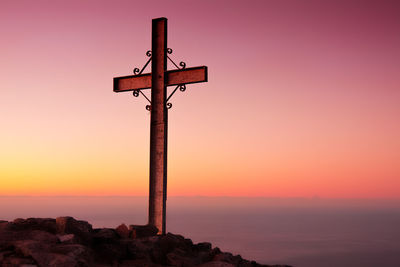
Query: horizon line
x=219, y=196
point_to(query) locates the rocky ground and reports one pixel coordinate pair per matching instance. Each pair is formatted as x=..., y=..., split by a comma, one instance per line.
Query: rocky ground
x=68, y=242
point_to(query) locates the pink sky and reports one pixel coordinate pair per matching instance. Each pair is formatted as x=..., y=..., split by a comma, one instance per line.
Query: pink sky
x=303, y=98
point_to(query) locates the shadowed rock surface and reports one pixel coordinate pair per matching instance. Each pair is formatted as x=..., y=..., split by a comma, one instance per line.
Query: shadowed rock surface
x=66, y=242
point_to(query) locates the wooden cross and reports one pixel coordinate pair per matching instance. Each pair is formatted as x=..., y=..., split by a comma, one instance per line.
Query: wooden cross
x=158, y=81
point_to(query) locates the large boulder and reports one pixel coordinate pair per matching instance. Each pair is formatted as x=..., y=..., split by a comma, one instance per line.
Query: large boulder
x=140, y=231
x=123, y=231
x=43, y=224
x=67, y=239
x=203, y=246
x=169, y=242
x=81, y=229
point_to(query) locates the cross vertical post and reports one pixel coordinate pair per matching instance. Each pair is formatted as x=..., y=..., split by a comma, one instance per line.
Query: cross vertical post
x=158, y=80
x=158, y=126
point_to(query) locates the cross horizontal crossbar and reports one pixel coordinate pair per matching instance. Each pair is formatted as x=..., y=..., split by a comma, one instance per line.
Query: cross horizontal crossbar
x=173, y=77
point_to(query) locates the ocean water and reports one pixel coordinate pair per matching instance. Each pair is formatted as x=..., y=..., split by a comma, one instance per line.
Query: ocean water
x=300, y=232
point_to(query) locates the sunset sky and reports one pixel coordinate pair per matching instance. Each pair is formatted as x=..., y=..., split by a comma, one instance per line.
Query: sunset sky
x=303, y=98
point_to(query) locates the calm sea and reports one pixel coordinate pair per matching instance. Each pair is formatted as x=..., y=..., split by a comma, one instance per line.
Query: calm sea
x=300, y=232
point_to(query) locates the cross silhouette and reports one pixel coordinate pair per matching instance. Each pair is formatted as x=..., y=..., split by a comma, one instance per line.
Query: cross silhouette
x=158, y=81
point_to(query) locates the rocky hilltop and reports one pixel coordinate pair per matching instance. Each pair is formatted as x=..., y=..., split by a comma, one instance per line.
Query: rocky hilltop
x=68, y=242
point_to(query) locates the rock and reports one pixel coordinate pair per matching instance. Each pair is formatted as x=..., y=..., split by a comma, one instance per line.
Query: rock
x=29, y=247
x=46, y=224
x=204, y=246
x=69, y=238
x=110, y=252
x=8, y=237
x=180, y=258
x=66, y=242
x=175, y=250
x=228, y=257
x=123, y=231
x=169, y=242
x=43, y=224
x=139, y=249
x=204, y=256
x=141, y=231
x=216, y=264
x=3, y=225
x=108, y=246
x=40, y=252
x=59, y=260
x=40, y=236
x=81, y=229
x=188, y=242
x=215, y=251
x=104, y=235
x=17, y=261
x=132, y=234
x=81, y=254
x=138, y=263
x=4, y=254
x=72, y=250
